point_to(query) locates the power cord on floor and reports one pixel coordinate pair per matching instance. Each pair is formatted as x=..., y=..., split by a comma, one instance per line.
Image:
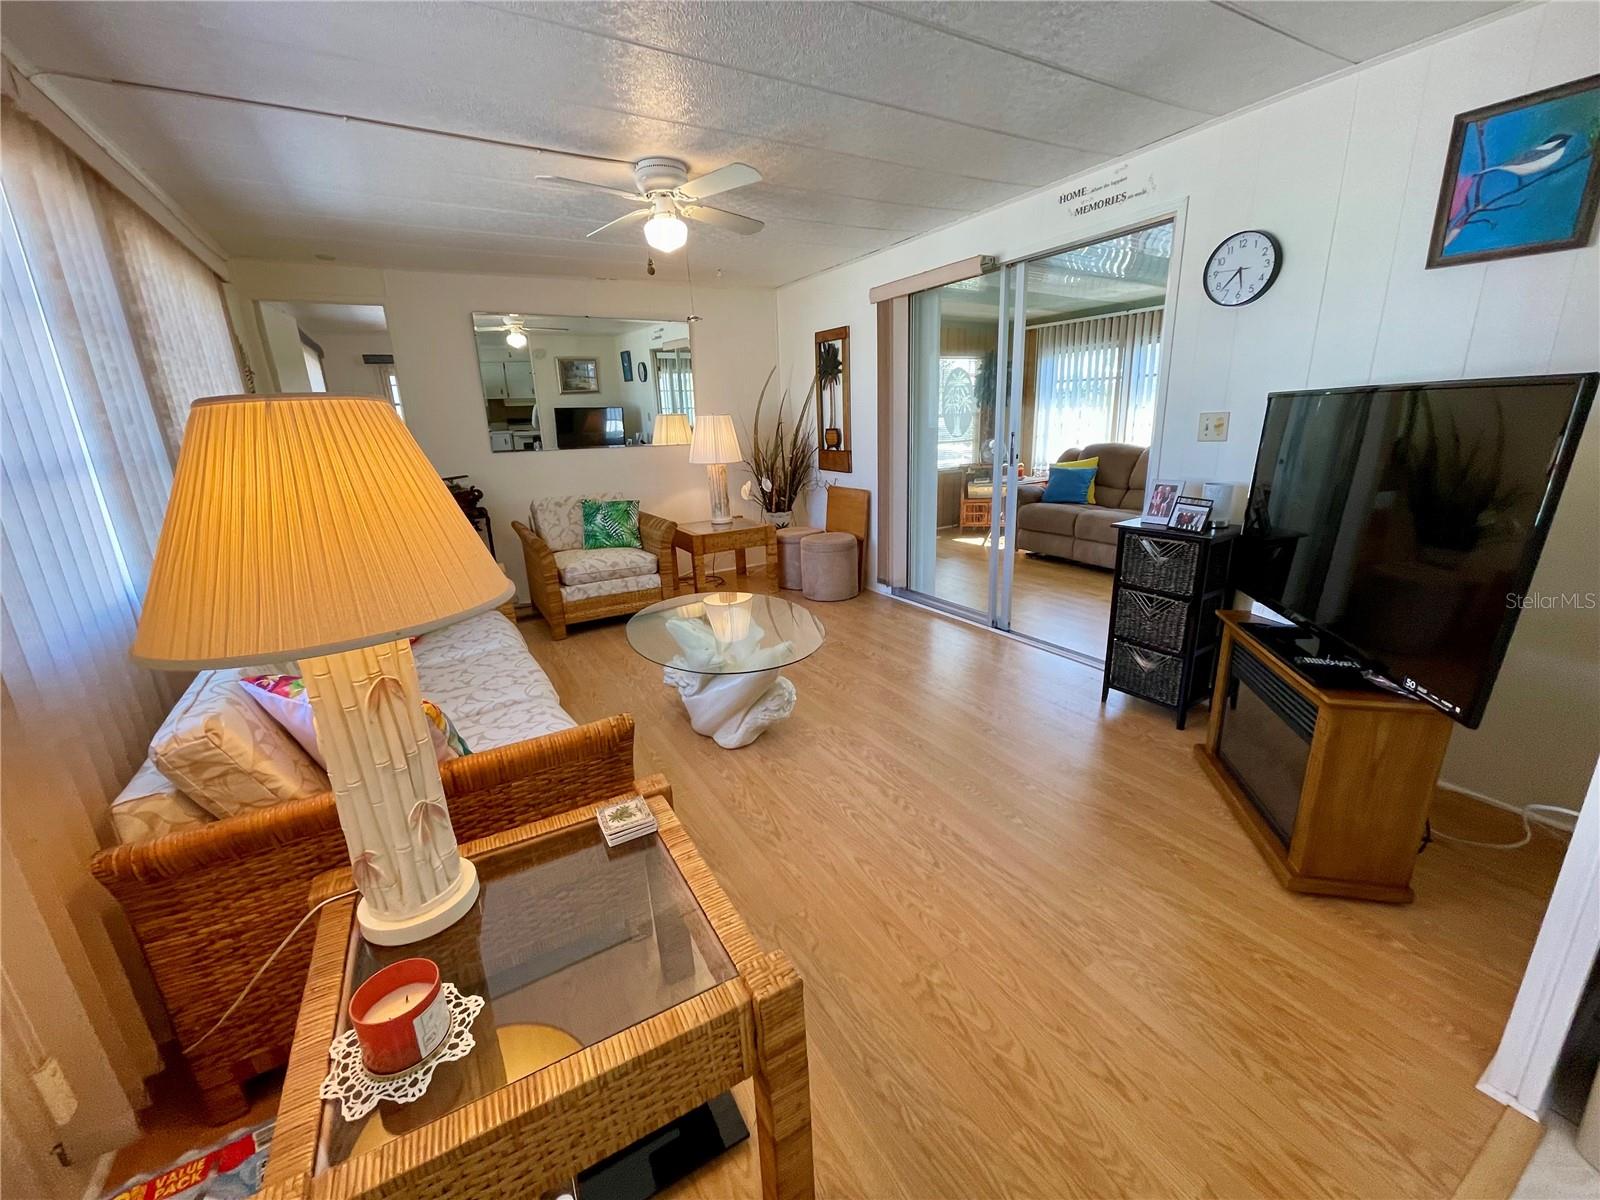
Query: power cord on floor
x=1527, y=830
x=262, y=970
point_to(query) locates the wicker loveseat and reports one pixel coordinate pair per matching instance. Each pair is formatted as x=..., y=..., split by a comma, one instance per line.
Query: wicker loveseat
x=570, y=584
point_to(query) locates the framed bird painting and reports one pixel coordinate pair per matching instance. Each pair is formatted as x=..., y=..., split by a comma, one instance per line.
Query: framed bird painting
x=1522, y=177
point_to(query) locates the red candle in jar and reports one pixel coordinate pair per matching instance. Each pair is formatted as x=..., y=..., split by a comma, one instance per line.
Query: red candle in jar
x=400, y=1016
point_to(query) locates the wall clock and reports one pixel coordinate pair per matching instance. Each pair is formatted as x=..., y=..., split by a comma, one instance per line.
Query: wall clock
x=1242, y=268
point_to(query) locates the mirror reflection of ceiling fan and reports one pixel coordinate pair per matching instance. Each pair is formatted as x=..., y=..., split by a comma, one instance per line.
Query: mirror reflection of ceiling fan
x=667, y=195
x=517, y=331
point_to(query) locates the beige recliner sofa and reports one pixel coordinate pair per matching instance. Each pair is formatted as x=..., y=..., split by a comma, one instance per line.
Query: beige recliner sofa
x=1084, y=533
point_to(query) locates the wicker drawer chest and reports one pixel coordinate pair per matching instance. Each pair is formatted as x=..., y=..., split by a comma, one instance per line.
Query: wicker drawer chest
x=1162, y=641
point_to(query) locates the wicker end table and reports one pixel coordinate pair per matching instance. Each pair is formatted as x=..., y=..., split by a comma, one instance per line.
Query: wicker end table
x=703, y=541
x=622, y=991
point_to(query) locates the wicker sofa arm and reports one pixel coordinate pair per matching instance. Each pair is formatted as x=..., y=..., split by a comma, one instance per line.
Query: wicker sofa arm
x=544, y=581
x=208, y=905
x=656, y=534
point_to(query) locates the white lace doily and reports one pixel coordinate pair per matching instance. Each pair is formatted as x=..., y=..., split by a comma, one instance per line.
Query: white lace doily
x=359, y=1090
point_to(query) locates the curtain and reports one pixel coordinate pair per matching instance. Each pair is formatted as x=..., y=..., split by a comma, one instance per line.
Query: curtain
x=1094, y=380
x=111, y=330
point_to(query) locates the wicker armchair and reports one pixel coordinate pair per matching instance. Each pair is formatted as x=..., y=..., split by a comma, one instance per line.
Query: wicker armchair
x=544, y=578
x=209, y=904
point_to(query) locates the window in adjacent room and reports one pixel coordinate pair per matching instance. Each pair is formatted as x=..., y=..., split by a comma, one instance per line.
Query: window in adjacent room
x=674, y=381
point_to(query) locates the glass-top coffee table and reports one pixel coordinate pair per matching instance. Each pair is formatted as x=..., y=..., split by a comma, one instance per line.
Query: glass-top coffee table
x=622, y=992
x=723, y=652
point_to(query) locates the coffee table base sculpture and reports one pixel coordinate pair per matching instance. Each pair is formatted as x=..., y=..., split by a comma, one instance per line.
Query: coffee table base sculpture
x=732, y=710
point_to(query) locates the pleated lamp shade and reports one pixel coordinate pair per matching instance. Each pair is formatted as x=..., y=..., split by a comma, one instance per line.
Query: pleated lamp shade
x=715, y=440
x=672, y=429
x=302, y=525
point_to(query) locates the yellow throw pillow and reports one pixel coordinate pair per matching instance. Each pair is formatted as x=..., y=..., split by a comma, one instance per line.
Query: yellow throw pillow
x=1082, y=462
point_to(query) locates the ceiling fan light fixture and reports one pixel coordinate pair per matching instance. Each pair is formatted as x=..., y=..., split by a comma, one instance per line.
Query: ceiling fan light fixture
x=517, y=340
x=665, y=230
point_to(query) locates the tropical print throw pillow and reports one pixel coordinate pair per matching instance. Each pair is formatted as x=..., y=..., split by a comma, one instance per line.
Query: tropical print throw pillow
x=610, y=524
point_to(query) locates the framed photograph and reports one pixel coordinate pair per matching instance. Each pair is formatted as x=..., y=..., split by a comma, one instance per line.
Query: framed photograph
x=578, y=375
x=1521, y=177
x=1159, y=497
x=627, y=366
x=1190, y=515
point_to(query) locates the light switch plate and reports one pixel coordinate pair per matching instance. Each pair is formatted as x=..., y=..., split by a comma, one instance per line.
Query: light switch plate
x=1214, y=427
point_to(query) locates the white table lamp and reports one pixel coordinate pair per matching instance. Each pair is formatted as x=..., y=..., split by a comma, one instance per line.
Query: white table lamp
x=314, y=528
x=672, y=429
x=716, y=444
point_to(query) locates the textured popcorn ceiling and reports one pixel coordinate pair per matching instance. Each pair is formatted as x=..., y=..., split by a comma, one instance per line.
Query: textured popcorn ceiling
x=870, y=122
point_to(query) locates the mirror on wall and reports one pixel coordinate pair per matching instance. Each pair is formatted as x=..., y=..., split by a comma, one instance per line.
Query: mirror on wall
x=581, y=383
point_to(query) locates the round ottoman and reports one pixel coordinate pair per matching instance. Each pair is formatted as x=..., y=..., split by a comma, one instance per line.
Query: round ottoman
x=789, y=539
x=830, y=566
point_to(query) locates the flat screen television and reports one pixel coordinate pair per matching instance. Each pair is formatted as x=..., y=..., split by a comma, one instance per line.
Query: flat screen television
x=582, y=426
x=1404, y=522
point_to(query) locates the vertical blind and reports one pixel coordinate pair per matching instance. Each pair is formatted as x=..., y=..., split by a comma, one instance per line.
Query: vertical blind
x=1095, y=380
x=674, y=381
x=113, y=328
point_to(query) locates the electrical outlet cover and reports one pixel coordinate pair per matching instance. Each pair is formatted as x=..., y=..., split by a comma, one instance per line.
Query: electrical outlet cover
x=1214, y=427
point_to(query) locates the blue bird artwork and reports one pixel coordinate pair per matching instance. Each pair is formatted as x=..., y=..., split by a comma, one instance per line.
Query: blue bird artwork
x=1523, y=177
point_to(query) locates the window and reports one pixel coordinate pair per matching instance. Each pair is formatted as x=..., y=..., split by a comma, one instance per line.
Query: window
x=1096, y=381
x=389, y=385
x=960, y=378
x=674, y=381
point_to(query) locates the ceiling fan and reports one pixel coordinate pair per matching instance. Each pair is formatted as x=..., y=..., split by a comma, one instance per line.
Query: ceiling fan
x=666, y=195
x=516, y=330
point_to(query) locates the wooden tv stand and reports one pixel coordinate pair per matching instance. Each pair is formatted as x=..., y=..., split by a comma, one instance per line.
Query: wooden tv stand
x=1371, y=765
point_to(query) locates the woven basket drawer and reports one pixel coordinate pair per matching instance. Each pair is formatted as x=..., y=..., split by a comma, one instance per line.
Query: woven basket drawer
x=1146, y=673
x=1165, y=564
x=1154, y=620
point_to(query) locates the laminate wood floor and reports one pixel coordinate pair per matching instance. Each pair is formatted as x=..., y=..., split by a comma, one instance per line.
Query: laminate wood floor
x=1042, y=960
x=1062, y=603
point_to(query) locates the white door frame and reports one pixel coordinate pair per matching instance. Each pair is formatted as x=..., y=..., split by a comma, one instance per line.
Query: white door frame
x=1523, y=1068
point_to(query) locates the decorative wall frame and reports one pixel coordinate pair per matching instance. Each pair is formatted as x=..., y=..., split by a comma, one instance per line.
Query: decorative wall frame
x=1521, y=177
x=627, y=366
x=578, y=375
x=832, y=365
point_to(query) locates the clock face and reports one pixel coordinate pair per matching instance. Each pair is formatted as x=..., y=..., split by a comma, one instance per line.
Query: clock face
x=1243, y=268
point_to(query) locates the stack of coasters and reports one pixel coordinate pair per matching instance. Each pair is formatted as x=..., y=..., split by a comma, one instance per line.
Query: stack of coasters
x=626, y=820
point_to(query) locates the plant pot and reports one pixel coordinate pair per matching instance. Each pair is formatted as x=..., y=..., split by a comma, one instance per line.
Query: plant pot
x=832, y=439
x=778, y=520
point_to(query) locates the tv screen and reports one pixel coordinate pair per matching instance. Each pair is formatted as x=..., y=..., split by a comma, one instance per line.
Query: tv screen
x=1404, y=522
x=580, y=427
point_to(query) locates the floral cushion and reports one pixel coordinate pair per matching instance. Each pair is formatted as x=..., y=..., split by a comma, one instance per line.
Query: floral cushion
x=559, y=519
x=591, y=566
x=226, y=754
x=481, y=672
x=283, y=698
x=152, y=805
x=611, y=587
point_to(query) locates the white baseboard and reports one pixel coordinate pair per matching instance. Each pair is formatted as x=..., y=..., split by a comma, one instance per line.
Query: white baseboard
x=1550, y=820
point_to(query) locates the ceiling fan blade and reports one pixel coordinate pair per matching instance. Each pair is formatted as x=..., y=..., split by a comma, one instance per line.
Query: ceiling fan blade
x=593, y=187
x=723, y=179
x=722, y=218
x=637, y=214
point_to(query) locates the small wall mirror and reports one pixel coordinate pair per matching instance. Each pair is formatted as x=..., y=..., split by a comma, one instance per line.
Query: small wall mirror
x=581, y=383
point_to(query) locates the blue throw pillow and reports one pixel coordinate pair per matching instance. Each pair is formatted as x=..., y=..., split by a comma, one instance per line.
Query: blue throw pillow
x=1068, y=485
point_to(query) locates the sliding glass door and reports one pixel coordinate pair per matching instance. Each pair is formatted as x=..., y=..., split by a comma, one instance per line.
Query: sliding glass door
x=953, y=364
x=1051, y=359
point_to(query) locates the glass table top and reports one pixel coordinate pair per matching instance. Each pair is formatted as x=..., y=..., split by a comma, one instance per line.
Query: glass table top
x=725, y=633
x=571, y=941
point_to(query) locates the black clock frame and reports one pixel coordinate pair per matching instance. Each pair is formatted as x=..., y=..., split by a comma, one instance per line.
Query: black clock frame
x=1277, y=267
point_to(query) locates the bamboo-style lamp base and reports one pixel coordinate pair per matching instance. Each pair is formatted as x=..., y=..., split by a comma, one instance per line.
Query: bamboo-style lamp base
x=441, y=914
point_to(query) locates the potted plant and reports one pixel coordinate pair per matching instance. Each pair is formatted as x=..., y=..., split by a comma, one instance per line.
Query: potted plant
x=829, y=367
x=782, y=460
